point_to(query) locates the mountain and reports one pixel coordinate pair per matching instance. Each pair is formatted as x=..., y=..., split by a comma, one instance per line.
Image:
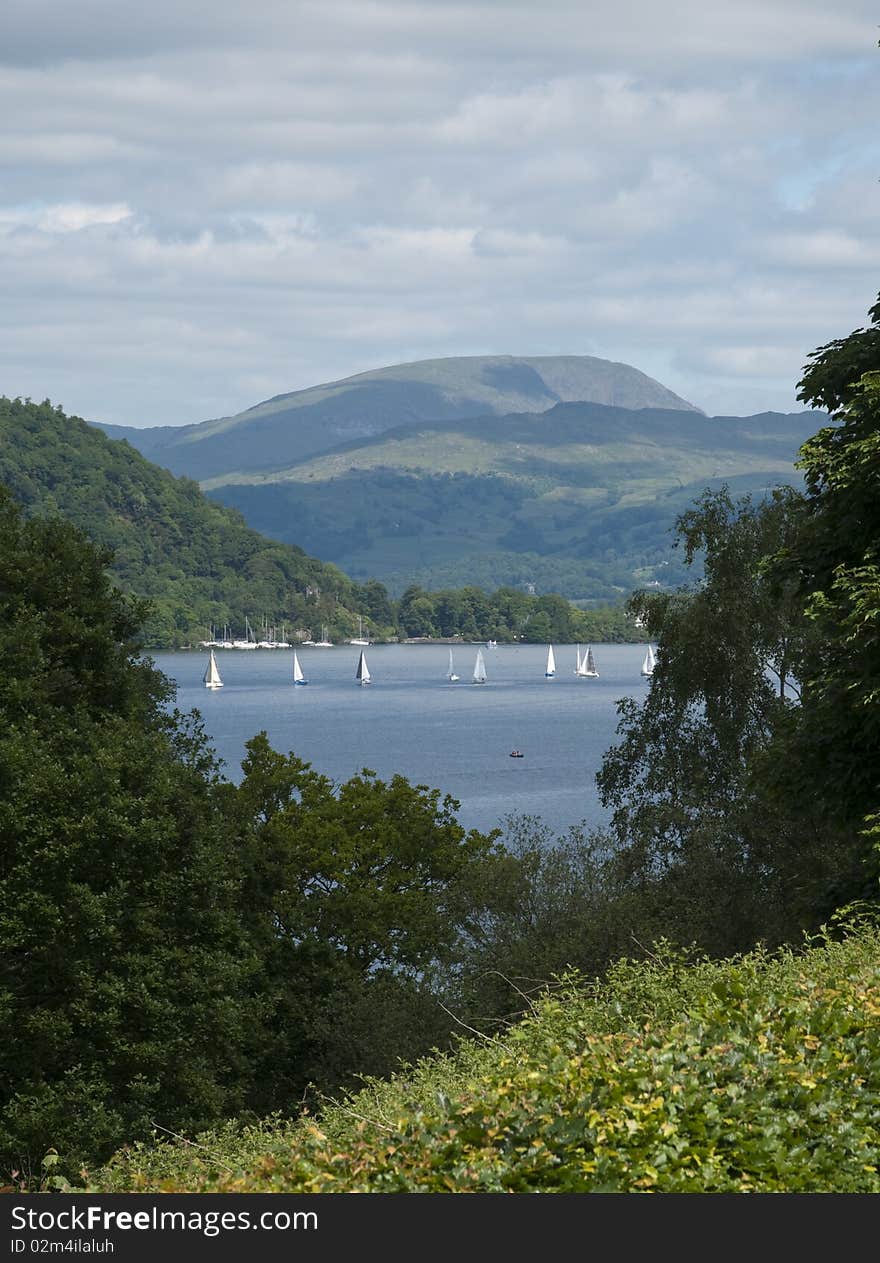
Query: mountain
x=293, y=426
x=577, y=499
x=196, y=560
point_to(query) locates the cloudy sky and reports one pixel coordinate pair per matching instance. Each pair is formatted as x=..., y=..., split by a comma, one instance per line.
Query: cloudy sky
x=205, y=203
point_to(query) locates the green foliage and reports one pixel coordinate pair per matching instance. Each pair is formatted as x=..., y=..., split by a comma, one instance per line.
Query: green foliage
x=756, y=1074
x=692, y=810
x=354, y=897
x=119, y=935
x=196, y=562
x=832, y=751
x=556, y=904
x=835, y=370
x=509, y=615
x=777, y=788
x=372, y=868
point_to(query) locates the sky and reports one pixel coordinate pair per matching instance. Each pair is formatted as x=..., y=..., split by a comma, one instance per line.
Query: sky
x=205, y=203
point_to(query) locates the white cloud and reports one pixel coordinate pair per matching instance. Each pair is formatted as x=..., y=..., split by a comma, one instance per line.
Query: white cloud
x=63, y=217
x=824, y=248
x=205, y=204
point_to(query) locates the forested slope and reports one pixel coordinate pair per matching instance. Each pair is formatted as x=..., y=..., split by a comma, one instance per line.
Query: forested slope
x=579, y=499
x=196, y=560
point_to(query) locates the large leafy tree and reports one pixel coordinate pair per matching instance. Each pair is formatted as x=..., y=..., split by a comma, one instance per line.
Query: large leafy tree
x=356, y=896
x=758, y=744
x=123, y=972
x=834, y=753
x=725, y=860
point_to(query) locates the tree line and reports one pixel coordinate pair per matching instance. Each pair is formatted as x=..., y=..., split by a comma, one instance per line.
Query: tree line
x=508, y=614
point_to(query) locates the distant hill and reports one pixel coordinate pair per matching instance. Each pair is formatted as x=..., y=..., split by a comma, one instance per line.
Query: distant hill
x=548, y=473
x=197, y=561
x=577, y=499
x=291, y=427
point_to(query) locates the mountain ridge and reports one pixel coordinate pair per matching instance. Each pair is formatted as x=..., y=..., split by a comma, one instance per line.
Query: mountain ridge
x=722, y=431
x=579, y=499
x=289, y=426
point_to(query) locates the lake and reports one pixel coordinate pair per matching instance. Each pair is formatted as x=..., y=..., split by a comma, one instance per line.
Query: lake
x=456, y=737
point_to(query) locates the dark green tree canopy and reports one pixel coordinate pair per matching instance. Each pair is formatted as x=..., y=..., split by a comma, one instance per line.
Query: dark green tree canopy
x=119, y=931
x=196, y=561
x=836, y=558
x=834, y=371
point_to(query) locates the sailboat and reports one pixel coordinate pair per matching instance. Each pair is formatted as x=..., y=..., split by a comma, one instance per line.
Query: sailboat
x=450, y=674
x=649, y=663
x=323, y=643
x=248, y=642
x=551, y=662
x=298, y=677
x=362, y=674
x=211, y=678
x=360, y=638
x=586, y=665
x=479, y=669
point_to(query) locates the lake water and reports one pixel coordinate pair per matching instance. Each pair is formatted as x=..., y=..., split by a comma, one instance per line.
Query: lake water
x=456, y=737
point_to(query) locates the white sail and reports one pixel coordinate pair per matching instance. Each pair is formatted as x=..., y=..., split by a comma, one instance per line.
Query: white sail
x=298, y=677
x=360, y=638
x=590, y=663
x=479, y=669
x=551, y=662
x=211, y=678
x=648, y=664
x=450, y=674
x=579, y=668
x=362, y=674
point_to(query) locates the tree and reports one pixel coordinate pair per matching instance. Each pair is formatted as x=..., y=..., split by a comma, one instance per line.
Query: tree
x=373, y=598
x=538, y=628
x=831, y=756
x=559, y=612
x=123, y=972
x=195, y=559
x=693, y=815
x=555, y=904
x=355, y=896
x=448, y=612
x=416, y=612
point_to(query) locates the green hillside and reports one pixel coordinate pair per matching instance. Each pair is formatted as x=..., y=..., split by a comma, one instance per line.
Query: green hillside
x=292, y=426
x=197, y=561
x=579, y=499
x=754, y=1074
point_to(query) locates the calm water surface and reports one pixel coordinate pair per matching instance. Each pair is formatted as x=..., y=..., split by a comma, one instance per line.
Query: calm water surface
x=455, y=737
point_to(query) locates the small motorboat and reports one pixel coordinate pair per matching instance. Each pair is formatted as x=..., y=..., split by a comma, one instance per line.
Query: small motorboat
x=517, y=754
